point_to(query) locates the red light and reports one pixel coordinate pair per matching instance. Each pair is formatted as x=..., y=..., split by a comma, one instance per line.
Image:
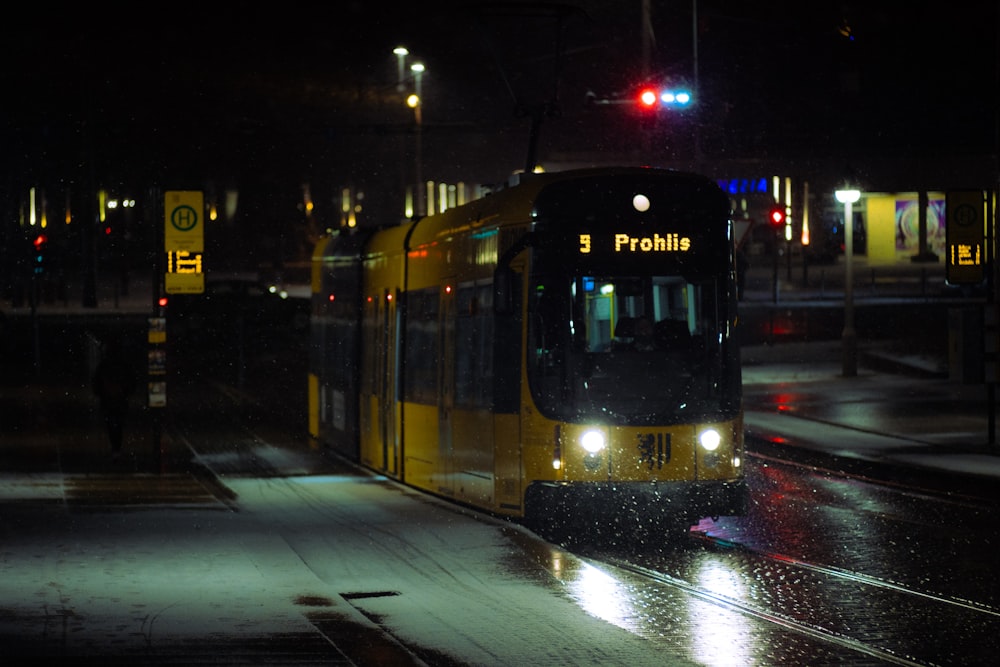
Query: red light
x=40, y=240
x=162, y=302
x=331, y=298
x=107, y=231
x=777, y=216
x=648, y=97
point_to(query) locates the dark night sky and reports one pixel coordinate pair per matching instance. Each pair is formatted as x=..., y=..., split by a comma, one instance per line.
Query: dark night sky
x=300, y=88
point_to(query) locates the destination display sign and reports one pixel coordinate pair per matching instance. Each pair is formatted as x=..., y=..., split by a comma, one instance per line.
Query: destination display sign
x=626, y=244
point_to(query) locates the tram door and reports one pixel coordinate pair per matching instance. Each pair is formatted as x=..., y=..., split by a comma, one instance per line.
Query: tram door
x=446, y=382
x=387, y=352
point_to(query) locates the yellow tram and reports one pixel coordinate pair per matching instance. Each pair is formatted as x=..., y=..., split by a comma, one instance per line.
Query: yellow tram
x=563, y=349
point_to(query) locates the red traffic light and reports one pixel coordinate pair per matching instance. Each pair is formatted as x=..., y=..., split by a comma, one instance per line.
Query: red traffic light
x=649, y=98
x=39, y=241
x=777, y=216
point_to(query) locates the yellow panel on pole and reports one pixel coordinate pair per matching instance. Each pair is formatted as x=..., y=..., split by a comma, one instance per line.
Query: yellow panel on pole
x=965, y=233
x=184, y=241
x=184, y=283
x=184, y=224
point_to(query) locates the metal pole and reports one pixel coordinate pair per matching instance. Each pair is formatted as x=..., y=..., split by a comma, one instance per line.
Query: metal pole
x=421, y=199
x=155, y=209
x=697, y=87
x=991, y=264
x=849, y=336
x=401, y=53
x=774, y=266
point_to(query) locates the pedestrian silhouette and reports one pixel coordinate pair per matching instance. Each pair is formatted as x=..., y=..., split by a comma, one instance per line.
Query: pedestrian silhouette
x=113, y=382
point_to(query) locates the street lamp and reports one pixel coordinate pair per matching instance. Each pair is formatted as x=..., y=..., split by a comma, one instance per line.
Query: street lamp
x=418, y=73
x=401, y=53
x=849, y=337
x=416, y=102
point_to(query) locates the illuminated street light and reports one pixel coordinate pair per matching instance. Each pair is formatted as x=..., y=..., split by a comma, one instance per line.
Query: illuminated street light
x=418, y=70
x=413, y=102
x=849, y=337
x=401, y=53
x=416, y=101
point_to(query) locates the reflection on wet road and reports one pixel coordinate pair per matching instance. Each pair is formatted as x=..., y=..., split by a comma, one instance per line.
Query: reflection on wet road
x=852, y=570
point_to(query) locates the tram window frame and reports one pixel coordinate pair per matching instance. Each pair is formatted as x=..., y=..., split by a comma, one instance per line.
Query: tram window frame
x=474, y=345
x=422, y=348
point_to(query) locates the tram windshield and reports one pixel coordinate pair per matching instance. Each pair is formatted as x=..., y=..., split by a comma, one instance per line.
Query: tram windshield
x=631, y=349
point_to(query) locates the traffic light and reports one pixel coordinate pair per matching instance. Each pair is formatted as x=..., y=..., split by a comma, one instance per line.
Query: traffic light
x=648, y=98
x=776, y=216
x=40, y=244
x=651, y=97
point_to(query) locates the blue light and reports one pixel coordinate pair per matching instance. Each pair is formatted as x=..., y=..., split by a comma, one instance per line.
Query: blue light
x=675, y=97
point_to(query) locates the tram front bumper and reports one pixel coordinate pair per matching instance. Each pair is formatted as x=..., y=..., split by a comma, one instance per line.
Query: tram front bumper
x=675, y=501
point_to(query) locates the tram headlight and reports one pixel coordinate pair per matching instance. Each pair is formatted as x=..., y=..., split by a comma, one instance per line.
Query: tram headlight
x=593, y=441
x=709, y=439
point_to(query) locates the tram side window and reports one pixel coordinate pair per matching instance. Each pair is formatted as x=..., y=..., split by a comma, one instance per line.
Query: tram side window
x=549, y=326
x=474, y=346
x=333, y=337
x=421, y=352
x=507, y=351
x=369, y=319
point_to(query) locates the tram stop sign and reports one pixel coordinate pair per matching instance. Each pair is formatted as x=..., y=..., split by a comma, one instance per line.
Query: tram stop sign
x=965, y=237
x=184, y=241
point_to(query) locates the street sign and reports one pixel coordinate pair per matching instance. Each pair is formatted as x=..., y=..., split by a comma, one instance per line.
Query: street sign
x=965, y=237
x=184, y=241
x=184, y=225
x=184, y=283
x=740, y=230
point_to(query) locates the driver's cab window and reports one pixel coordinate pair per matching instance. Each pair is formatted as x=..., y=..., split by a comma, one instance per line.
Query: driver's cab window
x=638, y=313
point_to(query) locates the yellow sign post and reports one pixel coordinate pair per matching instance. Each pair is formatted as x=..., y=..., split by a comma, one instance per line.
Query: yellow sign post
x=965, y=232
x=184, y=241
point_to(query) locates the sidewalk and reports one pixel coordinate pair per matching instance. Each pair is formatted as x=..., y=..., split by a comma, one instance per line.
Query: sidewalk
x=899, y=416
x=901, y=412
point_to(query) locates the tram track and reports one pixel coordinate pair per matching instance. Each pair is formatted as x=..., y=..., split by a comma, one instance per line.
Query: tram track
x=788, y=623
x=848, y=575
x=841, y=609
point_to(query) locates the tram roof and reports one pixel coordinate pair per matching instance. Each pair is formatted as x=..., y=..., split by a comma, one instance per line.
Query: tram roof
x=516, y=202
